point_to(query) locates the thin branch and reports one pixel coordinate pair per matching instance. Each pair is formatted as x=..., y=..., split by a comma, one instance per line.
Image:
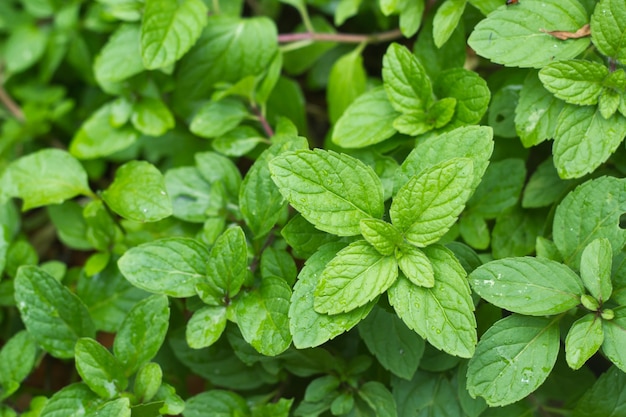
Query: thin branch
x=340, y=37
x=11, y=105
x=264, y=123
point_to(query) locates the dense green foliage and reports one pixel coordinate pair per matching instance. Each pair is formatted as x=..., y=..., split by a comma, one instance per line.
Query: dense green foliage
x=312, y=208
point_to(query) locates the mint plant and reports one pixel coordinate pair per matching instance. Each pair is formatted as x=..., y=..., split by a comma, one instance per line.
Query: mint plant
x=312, y=208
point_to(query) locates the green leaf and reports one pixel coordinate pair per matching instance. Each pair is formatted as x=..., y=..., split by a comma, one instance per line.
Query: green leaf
x=215, y=167
x=152, y=117
x=54, y=316
x=427, y=394
x=443, y=314
x=607, y=397
x=500, y=188
x=519, y=285
x=406, y=83
x=544, y=186
x=17, y=359
x=397, y=348
x=515, y=232
x=262, y=316
x=615, y=337
x=415, y=266
x=303, y=237
x=174, y=405
x=193, y=198
x=206, y=326
x=586, y=214
x=595, y=268
x=583, y=340
x=333, y=191
x=574, y=81
x=171, y=266
x=608, y=28
x=474, y=230
x=470, y=91
x=537, y=112
x=367, y=120
x=411, y=13
x=378, y=398
x=381, y=235
x=238, y=141
x=169, y=29
x=217, y=403
x=115, y=408
x=584, y=139
x=218, y=117
x=73, y=400
x=346, y=82
x=142, y=333
x=138, y=193
x=608, y=102
x=49, y=176
x=120, y=58
x=308, y=327
x=226, y=268
x=147, y=381
x=446, y=20
x=279, y=263
x=70, y=225
x=517, y=36
x=427, y=206
x=513, y=358
x=345, y=10
x=99, y=369
x=24, y=47
x=356, y=276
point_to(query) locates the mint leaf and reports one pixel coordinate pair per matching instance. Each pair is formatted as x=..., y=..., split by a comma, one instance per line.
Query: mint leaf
x=226, y=268
x=346, y=82
x=470, y=91
x=574, y=81
x=586, y=214
x=427, y=206
x=583, y=340
x=407, y=85
x=515, y=232
x=378, y=398
x=76, y=398
x=515, y=36
x=333, y=191
x=99, y=369
x=519, y=285
x=120, y=58
x=356, y=276
x=147, y=381
x=138, y=193
x=193, y=198
x=367, y=120
x=397, y=348
x=608, y=28
x=17, y=359
x=381, y=235
x=474, y=230
x=443, y=314
x=595, y=269
x=142, y=332
x=115, y=408
x=425, y=395
x=606, y=397
x=615, y=337
x=446, y=20
x=219, y=403
x=49, y=176
x=308, y=327
x=584, y=139
x=279, y=263
x=152, y=117
x=544, y=186
x=206, y=326
x=169, y=29
x=415, y=266
x=608, y=102
x=218, y=117
x=513, y=358
x=214, y=167
x=238, y=141
x=303, y=237
x=54, y=316
x=262, y=316
x=24, y=47
x=411, y=13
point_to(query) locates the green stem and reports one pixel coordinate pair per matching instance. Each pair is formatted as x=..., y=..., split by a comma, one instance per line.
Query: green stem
x=340, y=37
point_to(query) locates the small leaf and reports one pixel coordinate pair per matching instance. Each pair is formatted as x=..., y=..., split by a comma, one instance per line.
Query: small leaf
x=218, y=403
x=119, y=407
x=346, y=82
x=583, y=340
x=333, y=191
x=615, y=337
x=415, y=265
x=608, y=27
x=470, y=91
x=206, y=326
x=513, y=358
x=574, y=81
x=406, y=82
x=17, y=359
x=218, y=117
x=381, y=235
x=609, y=102
x=120, y=58
x=54, y=316
x=147, y=381
x=99, y=369
x=152, y=117
x=356, y=276
x=595, y=268
x=520, y=285
x=427, y=206
x=446, y=20
x=24, y=47
x=193, y=198
x=544, y=186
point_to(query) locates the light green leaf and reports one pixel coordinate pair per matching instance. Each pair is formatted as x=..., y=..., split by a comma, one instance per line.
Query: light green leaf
x=169, y=29
x=595, y=268
x=427, y=206
x=367, y=120
x=446, y=20
x=346, y=82
x=206, y=326
x=381, y=235
x=138, y=193
x=262, y=316
x=54, y=316
x=99, y=369
x=591, y=211
x=226, y=268
x=333, y=191
x=584, y=140
x=17, y=359
x=608, y=102
x=49, y=176
x=407, y=85
x=516, y=36
x=378, y=398
x=411, y=13
x=119, y=407
x=615, y=338
x=583, y=340
x=397, y=348
x=171, y=266
x=575, y=81
x=470, y=91
x=142, y=333
x=152, y=117
x=217, y=403
x=218, y=117
x=415, y=266
x=74, y=400
x=25, y=46
x=500, y=188
x=520, y=285
x=174, y=405
x=443, y=314
x=308, y=327
x=238, y=141
x=345, y=10
x=215, y=167
x=120, y=58
x=513, y=358
x=388, y=7
x=544, y=187
x=607, y=397
x=356, y=276
x=608, y=28
x=70, y=225
x=147, y=381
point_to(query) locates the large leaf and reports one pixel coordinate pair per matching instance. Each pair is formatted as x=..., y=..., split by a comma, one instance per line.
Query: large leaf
x=99, y=369
x=333, y=191
x=607, y=397
x=471, y=93
x=574, y=81
x=120, y=58
x=608, y=28
x=407, y=85
x=74, y=400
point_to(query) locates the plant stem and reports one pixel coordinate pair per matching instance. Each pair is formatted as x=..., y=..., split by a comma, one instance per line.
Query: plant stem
x=340, y=37
x=10, y=105
x=264, y=123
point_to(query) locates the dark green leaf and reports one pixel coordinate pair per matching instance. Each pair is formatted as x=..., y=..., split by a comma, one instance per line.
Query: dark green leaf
x=500, y=188
x=607, y=397
x=218, y=403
